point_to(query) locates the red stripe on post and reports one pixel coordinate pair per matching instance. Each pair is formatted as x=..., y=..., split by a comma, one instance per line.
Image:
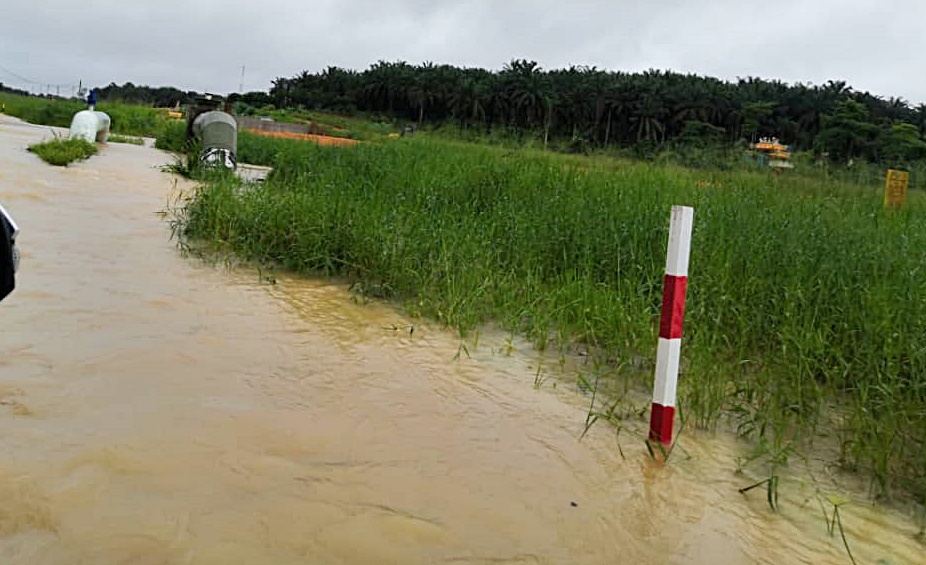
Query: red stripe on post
x=660, y=424
x=673, y=307
x=668, y=349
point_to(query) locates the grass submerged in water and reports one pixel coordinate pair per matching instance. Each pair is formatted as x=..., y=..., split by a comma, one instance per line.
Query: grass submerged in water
x=116, y=138
x=62, y=152
x=800, y=296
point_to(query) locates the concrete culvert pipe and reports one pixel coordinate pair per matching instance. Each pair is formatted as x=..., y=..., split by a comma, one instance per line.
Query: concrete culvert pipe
x=90, y=126
x=218, y=134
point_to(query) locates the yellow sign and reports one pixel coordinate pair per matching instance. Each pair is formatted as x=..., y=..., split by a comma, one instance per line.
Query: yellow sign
x=895, y=189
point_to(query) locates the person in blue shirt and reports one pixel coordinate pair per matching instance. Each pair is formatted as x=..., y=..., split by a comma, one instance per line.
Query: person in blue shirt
x=91, y=99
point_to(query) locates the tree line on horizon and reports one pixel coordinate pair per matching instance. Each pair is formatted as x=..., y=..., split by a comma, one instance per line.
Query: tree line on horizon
x=599, y=108
x=11, y=90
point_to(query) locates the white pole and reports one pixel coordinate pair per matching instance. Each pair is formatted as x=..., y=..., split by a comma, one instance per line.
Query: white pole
x=671, y=320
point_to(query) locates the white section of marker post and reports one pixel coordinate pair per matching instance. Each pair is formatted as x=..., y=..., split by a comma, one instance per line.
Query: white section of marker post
x=680, y=226
x=668, y=352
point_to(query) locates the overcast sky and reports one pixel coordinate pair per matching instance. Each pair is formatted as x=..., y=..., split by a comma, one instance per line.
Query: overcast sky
x=201, y=45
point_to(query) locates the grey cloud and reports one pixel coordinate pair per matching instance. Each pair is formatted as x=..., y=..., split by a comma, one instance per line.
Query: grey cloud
x=202, y=44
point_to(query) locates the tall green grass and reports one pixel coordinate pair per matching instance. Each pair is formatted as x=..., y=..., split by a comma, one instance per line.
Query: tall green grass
x=62, y=152
x=806, y=307
x=126, y=119
x=41, y=111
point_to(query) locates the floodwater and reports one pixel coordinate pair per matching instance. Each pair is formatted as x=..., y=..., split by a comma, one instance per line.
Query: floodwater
x=158, y=411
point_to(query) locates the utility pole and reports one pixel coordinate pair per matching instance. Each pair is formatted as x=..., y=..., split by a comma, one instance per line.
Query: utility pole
x=241, y=84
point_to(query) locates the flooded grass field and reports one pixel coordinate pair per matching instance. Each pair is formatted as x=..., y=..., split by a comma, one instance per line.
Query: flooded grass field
x=159, y=411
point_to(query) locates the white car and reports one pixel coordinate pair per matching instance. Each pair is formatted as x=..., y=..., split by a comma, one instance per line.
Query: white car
x=9, y=253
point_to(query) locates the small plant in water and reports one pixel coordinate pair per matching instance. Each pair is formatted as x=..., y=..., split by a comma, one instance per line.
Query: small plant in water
x=508, y=348
x=460, y=350
x=539, y=377
x=393, y=327
x=777, y=454
x=614, y=413
x=265, y=279
x=920, y=516
x=836, y=520
x=771, y=489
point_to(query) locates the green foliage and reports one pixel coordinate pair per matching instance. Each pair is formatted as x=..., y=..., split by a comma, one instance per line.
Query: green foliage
x=171, y=136
x=586, y=109
x=903, y=144
x=116, y=138
x=258, y=150
x=41, y=111
x=755, y=114
x=129, y=93
x=125, y=119
x=802, y=294
x=133, y=120
x=847, y=133
x=61, y=152
x=699, y=134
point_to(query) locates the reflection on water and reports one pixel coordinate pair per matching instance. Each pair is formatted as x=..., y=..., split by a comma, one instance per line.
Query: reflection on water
x=156, y=411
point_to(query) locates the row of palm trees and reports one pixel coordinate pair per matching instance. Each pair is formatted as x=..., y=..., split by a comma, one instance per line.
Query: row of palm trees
x=600, y=107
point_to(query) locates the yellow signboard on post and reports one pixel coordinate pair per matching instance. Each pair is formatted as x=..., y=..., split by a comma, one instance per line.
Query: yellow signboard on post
x=895, y=188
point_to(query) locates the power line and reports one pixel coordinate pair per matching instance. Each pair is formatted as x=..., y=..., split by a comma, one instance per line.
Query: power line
x=20, y=77
x=36, y=82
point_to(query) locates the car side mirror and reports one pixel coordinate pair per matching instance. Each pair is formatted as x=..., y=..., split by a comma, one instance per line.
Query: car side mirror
x=9, y=253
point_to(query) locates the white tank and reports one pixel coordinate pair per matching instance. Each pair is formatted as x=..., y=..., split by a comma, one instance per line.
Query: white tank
x=218, y=133
x=90, y=125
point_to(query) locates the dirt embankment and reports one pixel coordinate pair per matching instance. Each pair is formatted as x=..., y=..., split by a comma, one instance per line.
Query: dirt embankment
x=318, y=138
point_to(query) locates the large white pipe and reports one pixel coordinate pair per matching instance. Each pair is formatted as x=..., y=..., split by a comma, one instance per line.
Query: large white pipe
x=90, y=125
x=218, y=133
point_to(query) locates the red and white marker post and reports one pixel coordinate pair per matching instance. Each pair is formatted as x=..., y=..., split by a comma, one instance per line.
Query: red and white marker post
x=670, y=325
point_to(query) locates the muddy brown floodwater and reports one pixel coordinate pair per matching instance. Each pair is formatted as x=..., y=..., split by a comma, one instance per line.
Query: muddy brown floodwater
x=157, y=411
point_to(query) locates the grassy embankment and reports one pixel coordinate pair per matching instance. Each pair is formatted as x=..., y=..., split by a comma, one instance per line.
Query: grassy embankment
x=127, y=119
x=802, y=296
x=128, y=122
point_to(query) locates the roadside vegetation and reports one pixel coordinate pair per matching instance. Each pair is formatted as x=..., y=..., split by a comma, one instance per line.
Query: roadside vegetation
x=62, y=152
x=805, y=321
x=582, y=109
x=804, y=295
x=126, y=119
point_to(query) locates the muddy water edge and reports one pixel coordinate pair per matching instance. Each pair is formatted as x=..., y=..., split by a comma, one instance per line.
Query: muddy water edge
x=155, y=410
